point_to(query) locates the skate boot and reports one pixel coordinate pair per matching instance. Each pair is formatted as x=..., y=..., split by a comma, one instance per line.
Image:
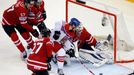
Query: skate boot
x=24, y=55
x=60, y=72
x=54, y=59
x=67, y=60
x=29, y=50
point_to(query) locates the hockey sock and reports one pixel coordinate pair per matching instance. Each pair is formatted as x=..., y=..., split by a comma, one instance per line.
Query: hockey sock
x=17, y=42
x=28, y=39
x=60, y=61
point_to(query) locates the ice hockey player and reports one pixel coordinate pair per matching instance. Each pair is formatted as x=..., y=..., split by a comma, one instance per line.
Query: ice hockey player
x=37, y=15
x=39, y=59
x=59, y=38
x=76, y=32
x=15, y=18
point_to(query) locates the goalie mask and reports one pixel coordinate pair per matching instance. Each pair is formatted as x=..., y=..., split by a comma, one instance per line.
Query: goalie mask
x=78, y=29
x=76, y=25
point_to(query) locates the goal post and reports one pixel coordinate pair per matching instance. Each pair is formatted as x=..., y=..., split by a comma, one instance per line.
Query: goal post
x=103, y=20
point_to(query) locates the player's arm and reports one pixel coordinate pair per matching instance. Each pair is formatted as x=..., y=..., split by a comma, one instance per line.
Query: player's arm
x=44, y=14
x=44, y=11
x=99, y=45
x=23, y=21
x=24, y=24
x=90, y=39
x=49, y=48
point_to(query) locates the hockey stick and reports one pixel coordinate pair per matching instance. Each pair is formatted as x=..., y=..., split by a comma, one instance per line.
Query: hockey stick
x=85, y=66
x=76, y=49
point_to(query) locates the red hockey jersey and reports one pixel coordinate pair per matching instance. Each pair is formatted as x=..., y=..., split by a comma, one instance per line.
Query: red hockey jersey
x=35, y=14
x=37, y=59
x=16, y=15
x=83, y=37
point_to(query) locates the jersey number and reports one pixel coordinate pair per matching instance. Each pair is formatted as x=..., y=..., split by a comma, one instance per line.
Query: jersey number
x=37, y=46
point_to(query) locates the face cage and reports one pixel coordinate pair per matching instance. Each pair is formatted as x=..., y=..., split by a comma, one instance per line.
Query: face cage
x=79, y=28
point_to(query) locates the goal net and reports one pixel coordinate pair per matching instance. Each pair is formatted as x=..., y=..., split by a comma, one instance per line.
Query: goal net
x=104, y=22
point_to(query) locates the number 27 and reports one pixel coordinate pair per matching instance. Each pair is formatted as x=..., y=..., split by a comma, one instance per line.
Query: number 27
x=39, y=45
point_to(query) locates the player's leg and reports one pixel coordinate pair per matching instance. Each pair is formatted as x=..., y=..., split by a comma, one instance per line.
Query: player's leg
x=41, y=72
x=91, y=54
x=14, y=37
x=86, y=46
x=25, y=34
x=60, y=61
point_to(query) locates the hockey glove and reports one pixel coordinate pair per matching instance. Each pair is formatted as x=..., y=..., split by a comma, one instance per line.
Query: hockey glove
x=49, y=59
x=71, y=53
x=35, y=33
x=102, y=45
x=56, y=35
x=41, y=26
x=49, y=67
x=44, y=14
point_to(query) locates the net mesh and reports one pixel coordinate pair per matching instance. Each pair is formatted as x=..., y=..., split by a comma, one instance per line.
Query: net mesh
x=103, y=21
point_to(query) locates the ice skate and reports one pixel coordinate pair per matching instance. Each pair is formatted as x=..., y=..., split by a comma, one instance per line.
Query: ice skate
x=23, y=55
x=60, y=72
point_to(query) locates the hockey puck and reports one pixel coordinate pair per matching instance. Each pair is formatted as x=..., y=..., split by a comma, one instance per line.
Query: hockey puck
x=100, y=73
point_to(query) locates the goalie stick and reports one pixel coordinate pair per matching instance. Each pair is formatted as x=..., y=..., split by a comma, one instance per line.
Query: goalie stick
x=78, y=57
x=76, y=49
x=85, y=66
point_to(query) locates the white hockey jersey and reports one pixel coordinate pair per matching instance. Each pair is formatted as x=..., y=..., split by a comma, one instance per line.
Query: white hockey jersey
x=63, y=39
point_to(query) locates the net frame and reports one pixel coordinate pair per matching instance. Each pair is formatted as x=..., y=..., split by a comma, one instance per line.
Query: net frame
x=114, y=28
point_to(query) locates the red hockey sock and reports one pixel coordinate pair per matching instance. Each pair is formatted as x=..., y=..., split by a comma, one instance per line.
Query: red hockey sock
x=28, y=39
x=17, y=42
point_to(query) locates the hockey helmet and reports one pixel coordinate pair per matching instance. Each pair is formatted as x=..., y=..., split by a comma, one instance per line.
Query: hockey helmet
x=28, y=1
x=75, y=22
x=45, y=32
x=38, y=2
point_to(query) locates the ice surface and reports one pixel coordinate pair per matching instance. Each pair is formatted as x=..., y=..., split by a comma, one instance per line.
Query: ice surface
x=11, y=64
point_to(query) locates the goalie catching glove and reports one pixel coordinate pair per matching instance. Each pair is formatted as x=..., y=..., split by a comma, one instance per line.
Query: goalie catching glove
x=102, y=45
x=102, y=48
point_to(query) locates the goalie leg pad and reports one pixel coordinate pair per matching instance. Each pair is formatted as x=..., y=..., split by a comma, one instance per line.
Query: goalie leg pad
x=93, y=58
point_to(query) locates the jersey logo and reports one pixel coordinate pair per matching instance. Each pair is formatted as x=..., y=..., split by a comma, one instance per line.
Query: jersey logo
x=22, y=18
